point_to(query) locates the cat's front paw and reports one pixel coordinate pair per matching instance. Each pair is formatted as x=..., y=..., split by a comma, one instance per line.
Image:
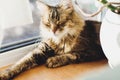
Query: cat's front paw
x=4, y=76
x=54, y=62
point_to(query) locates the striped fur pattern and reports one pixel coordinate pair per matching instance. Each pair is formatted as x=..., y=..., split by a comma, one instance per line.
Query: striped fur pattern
x=66, y=39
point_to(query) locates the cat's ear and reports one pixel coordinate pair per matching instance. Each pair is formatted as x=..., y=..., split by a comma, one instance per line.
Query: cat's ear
x=43, y=8
x=66, y=5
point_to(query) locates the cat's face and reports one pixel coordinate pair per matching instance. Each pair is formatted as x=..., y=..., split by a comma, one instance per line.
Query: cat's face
x=56, y=19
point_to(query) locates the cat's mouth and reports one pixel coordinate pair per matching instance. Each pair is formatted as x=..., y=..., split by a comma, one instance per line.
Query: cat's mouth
x=56, y=33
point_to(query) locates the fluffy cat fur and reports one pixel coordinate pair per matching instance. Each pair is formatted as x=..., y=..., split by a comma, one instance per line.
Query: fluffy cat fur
x=66, y=39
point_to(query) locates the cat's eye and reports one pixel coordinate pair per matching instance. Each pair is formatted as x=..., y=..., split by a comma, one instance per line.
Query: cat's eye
x=47, y=24
x=61, y=29
x=62, y=24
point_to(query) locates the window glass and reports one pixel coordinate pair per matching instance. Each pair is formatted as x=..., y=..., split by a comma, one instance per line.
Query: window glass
x=21, y=33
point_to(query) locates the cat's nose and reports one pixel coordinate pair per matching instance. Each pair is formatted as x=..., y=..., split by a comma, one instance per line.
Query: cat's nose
x=54, y=30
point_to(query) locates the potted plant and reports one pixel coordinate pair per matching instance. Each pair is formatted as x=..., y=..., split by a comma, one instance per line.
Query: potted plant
x=110, y=32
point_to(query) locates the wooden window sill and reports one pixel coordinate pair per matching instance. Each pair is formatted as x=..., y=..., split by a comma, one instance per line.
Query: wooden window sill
x=69, y=72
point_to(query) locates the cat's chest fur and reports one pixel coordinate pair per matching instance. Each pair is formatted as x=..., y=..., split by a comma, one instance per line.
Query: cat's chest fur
x=62, y=43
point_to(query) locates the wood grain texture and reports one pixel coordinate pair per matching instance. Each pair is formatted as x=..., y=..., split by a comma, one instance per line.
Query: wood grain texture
x=69, y=72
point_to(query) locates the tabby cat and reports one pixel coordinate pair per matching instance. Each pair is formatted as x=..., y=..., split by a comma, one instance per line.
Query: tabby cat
x=66, y=39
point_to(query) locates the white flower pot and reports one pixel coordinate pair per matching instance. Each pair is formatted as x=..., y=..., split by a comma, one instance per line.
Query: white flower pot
x=110, y=38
